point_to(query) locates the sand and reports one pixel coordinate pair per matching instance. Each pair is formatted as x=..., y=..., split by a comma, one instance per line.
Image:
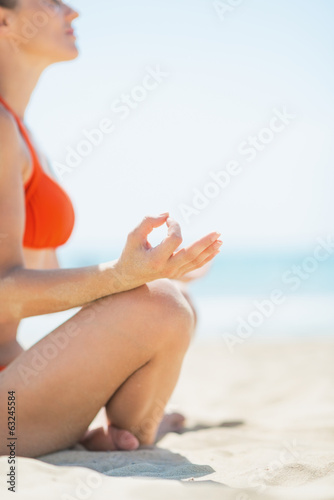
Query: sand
x=260, y=425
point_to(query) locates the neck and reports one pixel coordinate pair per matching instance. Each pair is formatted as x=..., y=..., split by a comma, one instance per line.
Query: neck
x=18, y=78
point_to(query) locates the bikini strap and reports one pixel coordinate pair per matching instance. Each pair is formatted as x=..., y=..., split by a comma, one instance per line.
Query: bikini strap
x=19, y=122
x=25, y=135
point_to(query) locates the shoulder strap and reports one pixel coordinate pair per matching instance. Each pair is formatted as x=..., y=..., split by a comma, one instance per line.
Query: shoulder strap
x=19, y=122
x=25, y=135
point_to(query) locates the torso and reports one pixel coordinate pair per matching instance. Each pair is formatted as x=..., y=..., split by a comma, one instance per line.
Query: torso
x=37, y=259
x=40, y=259
x=33, y=259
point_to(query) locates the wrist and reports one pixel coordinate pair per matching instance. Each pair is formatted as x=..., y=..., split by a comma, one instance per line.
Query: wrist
x=116, y=279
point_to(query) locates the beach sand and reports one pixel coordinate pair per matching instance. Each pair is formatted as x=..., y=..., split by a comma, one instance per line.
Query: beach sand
x=260, y=425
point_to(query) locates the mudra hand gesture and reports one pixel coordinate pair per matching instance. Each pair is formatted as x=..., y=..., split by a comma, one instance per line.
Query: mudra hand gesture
x=140, y=263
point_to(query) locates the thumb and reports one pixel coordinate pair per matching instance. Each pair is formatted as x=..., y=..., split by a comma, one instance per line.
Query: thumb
x=171, y=242
x=148, y=224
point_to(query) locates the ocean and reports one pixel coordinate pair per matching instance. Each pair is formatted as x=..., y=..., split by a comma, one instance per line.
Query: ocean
x=255, y=295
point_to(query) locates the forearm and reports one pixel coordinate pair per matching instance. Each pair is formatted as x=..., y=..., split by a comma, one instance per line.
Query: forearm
x=29, y=292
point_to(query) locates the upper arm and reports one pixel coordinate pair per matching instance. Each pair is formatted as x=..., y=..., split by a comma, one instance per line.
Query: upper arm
x=12, y=208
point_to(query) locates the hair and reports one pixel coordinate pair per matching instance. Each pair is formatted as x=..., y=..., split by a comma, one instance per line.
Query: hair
x=9, y=4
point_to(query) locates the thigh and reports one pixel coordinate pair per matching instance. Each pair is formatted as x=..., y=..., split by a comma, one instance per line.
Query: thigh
x=61, y=382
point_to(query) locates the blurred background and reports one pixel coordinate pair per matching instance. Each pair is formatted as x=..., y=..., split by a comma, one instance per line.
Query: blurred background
x=220, y=112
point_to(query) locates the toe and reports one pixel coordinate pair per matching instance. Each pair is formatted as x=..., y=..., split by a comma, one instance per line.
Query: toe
x=124, y=440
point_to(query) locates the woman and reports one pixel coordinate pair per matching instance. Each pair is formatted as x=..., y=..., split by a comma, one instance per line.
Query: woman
x=124, y=348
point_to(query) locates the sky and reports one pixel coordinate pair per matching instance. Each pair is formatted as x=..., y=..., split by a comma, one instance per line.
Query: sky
x=221, y=115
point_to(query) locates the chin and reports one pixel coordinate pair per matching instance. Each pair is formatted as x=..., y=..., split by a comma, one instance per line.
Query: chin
x=73, y=55
x=66, y=55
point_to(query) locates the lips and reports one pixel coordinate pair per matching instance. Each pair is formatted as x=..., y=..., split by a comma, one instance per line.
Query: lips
x=70, y=32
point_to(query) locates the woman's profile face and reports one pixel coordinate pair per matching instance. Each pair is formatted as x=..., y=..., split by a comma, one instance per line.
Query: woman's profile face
x=41, y=29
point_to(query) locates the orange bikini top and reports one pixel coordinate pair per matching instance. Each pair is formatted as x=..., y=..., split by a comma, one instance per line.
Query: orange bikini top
x=49, y=212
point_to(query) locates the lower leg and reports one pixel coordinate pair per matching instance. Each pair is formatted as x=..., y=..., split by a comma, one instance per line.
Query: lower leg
x=139, y=404
x=136, y=409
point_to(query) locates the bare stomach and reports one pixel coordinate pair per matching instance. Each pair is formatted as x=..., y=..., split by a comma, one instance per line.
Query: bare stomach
x=33, y=259
x=40, y=259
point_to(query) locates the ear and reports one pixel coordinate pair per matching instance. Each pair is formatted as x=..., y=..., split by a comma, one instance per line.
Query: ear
x=5, y=21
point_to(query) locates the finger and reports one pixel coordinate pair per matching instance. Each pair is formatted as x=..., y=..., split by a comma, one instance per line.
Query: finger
x=171, y=242
x=198, y=273
x=147, y=225
x=187, y=255
x=205, y=256
x=206, y=253
x=193, y=267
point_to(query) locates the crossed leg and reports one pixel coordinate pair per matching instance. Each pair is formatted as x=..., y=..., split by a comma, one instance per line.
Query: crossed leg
x=123, y=351
x=106, y=436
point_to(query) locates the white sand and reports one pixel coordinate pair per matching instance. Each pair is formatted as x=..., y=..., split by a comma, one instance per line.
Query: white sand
x=260, y=425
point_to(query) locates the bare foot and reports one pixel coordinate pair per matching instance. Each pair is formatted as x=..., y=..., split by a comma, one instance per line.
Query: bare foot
x=119, y=439
x=111, y=439
x=171, y=422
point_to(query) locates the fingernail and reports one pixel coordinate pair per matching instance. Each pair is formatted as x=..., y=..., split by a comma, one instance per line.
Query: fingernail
x=164, y=215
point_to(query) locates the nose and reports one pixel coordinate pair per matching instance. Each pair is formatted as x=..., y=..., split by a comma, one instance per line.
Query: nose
x=70, y=13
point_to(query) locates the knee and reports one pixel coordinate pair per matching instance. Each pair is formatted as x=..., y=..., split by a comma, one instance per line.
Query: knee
x=174, y=318
x=156, y=313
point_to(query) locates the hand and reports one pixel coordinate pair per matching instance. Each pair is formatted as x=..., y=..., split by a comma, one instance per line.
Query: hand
x=139, y=263
x=195, y=275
